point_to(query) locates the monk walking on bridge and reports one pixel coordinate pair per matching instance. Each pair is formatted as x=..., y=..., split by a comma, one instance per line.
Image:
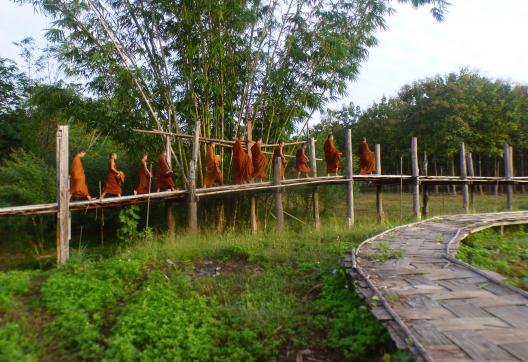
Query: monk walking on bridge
x=144, y=177
x=278, y=153
x=367, y=164
x=332, y=156
x=114, y=178
x=213, y=172
x=301, y=161
x=242, y=165
x=260, y=162
x=164, y=180
x=78, y=186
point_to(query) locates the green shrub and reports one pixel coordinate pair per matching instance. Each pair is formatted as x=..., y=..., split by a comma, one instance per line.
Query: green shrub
x=78, y=295
x=14, y=346
x=164, y=321
x=11, y=284
x=350, y=326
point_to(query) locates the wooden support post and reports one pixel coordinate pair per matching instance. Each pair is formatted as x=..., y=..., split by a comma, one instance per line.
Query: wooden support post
x=379, y=199
x=253, y=213
x=252, y=197
x=415, y=174
x=471, y=173
x=463, y=176
x=349, y=174
x=425, y=195
x=63, y=189
x=313, y=173
x=279, y=213
x=171, y=221
x=508, y=173
x=192, y=208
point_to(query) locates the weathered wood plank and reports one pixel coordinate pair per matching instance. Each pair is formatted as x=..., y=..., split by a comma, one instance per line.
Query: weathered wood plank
x=478, y=347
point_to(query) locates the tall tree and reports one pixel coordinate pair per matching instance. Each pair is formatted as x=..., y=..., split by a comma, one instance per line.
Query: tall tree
x=226, y=63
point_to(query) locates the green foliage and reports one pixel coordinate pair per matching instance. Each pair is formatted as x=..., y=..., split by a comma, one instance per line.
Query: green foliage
x=128, y=223
x=14, y=345
x=351, y=328
x=78, y=295
x=506, y=255
x=384, y=253
x=441, y=112
x=11, y=284
x=26, y=180
x=164, y=321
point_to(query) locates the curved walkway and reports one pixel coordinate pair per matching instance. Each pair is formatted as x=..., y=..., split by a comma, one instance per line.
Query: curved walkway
x=438, y=307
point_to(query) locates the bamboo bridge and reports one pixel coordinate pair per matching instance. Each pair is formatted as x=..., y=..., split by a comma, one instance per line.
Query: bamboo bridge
x=192, y=194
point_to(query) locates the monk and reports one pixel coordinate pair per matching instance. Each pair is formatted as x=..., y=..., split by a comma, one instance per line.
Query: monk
x=164, y=180
x=78, y=186
x=114, y=178
x=301, y=161
x=332, y=156
x=242, y=165
x=213, y=172
x=260, y=162
x=367, y=164
x=278, y=154
x=144, y=177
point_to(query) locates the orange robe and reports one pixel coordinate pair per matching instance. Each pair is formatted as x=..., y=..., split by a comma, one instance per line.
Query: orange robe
x=144, y=179
x=277, y=154
x=213, y=173
x=113, y=182
x=260, y=162
x=301, y=161
x=78, y=186
x=367, y=164
x=242, y=165
x=332, y=156
x=164, y=179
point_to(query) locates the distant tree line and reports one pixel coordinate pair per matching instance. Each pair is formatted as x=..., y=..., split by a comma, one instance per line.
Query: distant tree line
x=442, y=112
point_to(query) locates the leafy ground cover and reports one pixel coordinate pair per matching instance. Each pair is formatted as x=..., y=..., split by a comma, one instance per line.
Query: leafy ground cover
x=203, y=298
x=506, y=253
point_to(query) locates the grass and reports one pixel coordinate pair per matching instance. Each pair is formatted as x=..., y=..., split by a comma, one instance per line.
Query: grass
x=212, y=297
x=505, y=254
x=231, y=297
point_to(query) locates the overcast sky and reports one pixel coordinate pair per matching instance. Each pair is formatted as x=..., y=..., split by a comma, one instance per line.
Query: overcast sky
x=485, y=35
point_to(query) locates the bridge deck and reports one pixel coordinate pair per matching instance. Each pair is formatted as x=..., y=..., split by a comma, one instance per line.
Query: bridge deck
x=438, y=307
x=51, y=208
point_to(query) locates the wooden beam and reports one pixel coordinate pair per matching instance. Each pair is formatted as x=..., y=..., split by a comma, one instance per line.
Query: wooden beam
x=463, y=176
x=416, y=181
x=63, y=189
x=349, y=173
x=279, y=214
x=252, y=197
x=313, y=173
x=508, y=173
x=379, y=198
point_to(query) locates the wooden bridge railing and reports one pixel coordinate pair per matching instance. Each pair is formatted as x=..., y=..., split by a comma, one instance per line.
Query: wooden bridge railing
x=62, y=208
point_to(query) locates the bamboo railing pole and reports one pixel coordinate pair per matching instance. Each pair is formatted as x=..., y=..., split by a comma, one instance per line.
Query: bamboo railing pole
x=279, y=214
x=508, y=172
x=350, y=182
x=415, y=174
x=148, y=200
x=313, y=173
x=63, y=188
x=192, y=205
x=463, y=176
x=471, y=173
x=379, y=198
x=425, y=196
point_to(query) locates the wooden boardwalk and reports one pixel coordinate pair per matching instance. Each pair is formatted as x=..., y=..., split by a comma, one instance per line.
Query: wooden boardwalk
x=438, y=307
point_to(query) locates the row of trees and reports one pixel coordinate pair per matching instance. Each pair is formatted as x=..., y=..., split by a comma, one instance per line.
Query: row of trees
x=442, y=112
